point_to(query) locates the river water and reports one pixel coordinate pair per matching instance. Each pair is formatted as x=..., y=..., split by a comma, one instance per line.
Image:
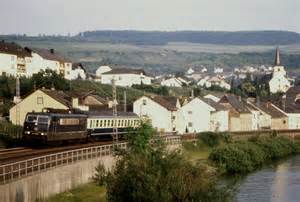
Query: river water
x=280, y=183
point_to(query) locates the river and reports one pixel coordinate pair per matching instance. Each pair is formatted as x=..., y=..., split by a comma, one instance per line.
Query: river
x=279, y=183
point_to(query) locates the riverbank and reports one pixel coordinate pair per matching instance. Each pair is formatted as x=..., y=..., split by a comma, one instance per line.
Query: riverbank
x=246, y=155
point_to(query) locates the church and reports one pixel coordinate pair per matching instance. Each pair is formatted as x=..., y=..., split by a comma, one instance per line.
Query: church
x=279, y=81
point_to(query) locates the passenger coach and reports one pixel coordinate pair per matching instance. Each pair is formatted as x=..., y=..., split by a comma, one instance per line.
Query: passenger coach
x=103, y=122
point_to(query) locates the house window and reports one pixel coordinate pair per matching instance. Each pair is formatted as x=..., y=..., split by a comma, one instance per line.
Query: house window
x=284, y=122
x=190, y=124
x=40, y=100
x=190, y=112
x=144, y=102
x=173, y=117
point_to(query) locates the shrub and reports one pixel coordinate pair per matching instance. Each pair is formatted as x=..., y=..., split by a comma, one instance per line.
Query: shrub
x=243, y=157
x=213, y=139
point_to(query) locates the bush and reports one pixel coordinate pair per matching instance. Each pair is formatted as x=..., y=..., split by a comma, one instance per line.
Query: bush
x=148, y=172
x=213, y=139
x=243, y=157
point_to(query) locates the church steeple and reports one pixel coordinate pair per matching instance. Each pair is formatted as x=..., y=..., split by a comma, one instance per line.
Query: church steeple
x=277, y=57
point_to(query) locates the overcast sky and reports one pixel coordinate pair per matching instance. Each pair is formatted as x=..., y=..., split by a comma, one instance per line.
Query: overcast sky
x=72, y=16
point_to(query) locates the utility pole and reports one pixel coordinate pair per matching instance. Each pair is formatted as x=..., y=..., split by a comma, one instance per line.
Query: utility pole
x=115, y=113
x=17, y=99
x=125, y=101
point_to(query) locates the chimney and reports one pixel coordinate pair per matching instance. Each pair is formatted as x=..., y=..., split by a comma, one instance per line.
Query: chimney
x=52, y=50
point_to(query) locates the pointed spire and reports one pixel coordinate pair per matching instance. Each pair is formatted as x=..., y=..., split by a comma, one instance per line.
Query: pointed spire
x=277, y=57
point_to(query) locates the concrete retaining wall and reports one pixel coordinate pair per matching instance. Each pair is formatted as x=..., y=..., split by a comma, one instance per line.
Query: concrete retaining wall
x=53, y=181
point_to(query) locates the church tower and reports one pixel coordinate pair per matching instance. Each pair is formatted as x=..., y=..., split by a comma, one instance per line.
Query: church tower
x=279, y=81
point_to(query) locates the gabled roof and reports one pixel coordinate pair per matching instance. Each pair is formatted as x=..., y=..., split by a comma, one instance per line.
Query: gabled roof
x=59, y=96
x=167, y=102
x=217, y=106
x=270, y=109
x=291, y=104
x=235, y=102
x=126, y=71
x=50, y=54
x=14, y=49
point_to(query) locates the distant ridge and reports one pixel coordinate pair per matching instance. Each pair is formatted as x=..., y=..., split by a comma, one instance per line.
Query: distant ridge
x=163, y=37
x=209, y=37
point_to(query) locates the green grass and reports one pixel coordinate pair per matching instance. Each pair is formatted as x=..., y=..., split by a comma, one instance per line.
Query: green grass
x=85, y=193
x=196, y=152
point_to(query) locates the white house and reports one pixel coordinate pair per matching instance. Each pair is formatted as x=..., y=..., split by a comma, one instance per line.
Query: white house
x=126, y=77
x=279, y=81
x=13, y=59
x=49, y=59
x=214, y=97
x=102, y=69
x=219, y=117
x=214, y=81
x=197, y=116
x=162, y=112
x=174, y=82
x=78, y=72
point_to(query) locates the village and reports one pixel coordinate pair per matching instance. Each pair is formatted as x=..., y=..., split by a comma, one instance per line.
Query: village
x=215, y=111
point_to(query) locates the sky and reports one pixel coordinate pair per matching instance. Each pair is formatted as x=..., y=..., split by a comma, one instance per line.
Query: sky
x=33, y=17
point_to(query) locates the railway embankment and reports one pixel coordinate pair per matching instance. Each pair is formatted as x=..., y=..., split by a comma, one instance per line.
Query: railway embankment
x=44, y=176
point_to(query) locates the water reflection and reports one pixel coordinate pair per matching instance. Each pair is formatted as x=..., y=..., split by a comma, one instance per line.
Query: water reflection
x=280, y=183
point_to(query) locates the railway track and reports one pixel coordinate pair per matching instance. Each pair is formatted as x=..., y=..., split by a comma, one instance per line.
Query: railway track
x=18, y=154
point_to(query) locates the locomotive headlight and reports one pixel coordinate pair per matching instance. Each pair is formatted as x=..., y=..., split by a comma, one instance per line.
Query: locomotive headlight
x=42, y=133
x=27, y=132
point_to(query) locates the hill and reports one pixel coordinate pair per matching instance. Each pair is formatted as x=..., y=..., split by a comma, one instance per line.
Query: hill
x=209, y=37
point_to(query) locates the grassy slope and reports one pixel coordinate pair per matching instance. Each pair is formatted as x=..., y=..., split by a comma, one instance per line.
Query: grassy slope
x=89, y=192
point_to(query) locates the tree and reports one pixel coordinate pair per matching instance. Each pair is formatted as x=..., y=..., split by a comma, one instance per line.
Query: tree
x=49, y=79
x=148, y=172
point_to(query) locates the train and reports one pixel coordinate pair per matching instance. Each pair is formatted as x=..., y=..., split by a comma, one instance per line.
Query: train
x=52, y=127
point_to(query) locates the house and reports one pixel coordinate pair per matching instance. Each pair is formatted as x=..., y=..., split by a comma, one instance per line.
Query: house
x=278, y=118
x=240, y=117
x=14, y=59
x=78, y=72
x=191, y=112
x=214, y=96
x=43, y=59
x=174, y=82
x=214, y=81
x=102, y=69
x=161, y=111
x=126, y=77
x=279, y=81
x=219, y=117
x=42, y=99
x=290, y=105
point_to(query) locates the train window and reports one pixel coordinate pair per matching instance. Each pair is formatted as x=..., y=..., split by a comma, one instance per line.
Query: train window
x=101, y=123
x=122, y=122
x=97, y=123
x=104, y=123
x=108, y=122
x=31, y=118
x=69, y=121
x=91, y=124
x=119, y=122
x=112, y=123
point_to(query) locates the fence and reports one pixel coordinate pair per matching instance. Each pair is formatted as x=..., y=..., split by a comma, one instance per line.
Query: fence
x=14, y=171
